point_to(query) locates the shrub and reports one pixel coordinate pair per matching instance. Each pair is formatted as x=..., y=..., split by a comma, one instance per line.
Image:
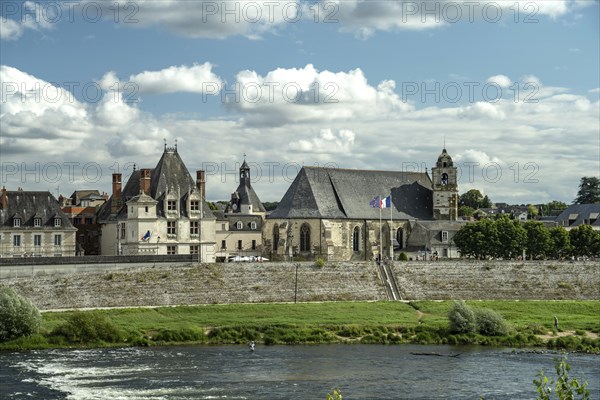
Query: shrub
x=490, y=323
x=403, y=257
x=86, y=327
x=462, y=318
x=320, y=262
x=18, y=316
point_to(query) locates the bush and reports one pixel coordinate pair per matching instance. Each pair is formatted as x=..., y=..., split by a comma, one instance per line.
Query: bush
x=462, y=318
x=86, y=327
x=320, y=262
x=490, y=323
x=403, y=257
x=18, y=316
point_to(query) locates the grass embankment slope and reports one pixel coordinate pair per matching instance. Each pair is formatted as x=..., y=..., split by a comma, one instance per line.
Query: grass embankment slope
x=422, y=322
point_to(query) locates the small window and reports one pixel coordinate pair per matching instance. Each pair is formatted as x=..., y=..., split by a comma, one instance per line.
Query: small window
x=37, y=240
x=89, y=221
x=17, y=222
x=194, y=249
x=253, y=225
x=239, y=225
x=122, y=231
x=76, y=221
x=223, y=244
x=17, y=240
x=239, y=244
x=275, y=237
x=171, y=249
x=146, y=209
x=37, y=222
x=194, y=205
x=356, y=239
x=222, y=227
x=57, y=240
x=444, y=236
x=57, y=222
x=171, y=205
x=193, y=227
x=254, y=245
x=172, y=228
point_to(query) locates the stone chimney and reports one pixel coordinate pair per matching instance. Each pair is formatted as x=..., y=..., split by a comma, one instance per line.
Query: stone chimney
x=145, y=180
x=116, y=193
x=201, y=183
x=4, y=199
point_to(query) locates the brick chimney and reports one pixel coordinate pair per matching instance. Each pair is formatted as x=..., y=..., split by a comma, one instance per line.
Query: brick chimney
x=145, y=180
x=116, y=193
x=4, y=199
x=201, y=183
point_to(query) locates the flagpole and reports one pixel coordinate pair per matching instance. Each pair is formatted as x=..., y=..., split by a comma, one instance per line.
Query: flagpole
x=380, y=234
x=391, y=224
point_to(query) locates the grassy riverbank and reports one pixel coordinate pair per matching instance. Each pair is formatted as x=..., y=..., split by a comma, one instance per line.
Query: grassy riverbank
x=423, y=322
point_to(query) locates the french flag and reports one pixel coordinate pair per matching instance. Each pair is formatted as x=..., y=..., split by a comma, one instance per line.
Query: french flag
x=146, y=237
x=386, y=202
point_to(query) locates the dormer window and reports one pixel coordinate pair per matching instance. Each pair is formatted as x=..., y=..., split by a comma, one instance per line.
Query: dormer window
x=444, y=236
x=239, y=225
x=171, y=205
x=17, y=222
x=57, y=222
x=253, y=225
x=194, y=205
x=37, y=222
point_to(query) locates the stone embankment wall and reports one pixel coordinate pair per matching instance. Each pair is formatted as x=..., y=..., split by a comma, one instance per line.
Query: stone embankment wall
x=276, y=282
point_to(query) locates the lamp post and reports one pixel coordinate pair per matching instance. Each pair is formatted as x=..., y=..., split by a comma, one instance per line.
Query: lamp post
x=200, y=226
x=296, y=286
x=291, y=248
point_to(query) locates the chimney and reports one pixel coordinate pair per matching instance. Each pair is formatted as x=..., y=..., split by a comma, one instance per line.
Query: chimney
x=201, y=183
x=116, y=193
x=145, y=180
x=4, y=198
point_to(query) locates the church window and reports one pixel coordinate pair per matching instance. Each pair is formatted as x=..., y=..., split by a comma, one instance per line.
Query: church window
x=356, y=239
x=275, y=237
x=400, y=238
x=444, y=179
x=305, y=238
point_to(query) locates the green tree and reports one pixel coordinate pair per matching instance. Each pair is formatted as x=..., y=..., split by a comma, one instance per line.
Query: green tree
x=477, y=240
x=511, y=237
x=462, y=318
x=532, y=210
x=589, y=191
x=553, y=208
x=490, y=323
x=18, y=315
x=538, y=242
x=473, y=198
x=584, y=241
x=560, y=242
x=486, y=202
x=566, y=387
x=465, y=211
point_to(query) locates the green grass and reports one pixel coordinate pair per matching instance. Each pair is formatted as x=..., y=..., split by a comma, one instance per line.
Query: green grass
x=352, y=322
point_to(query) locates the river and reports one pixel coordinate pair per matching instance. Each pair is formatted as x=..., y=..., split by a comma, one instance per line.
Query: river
x=281, y=372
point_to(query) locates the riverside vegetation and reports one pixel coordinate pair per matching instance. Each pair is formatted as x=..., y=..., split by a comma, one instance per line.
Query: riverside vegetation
x=498, y=323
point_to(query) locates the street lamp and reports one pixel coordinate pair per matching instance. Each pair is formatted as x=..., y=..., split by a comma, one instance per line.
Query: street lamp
x=296, y=286
x=291, y=248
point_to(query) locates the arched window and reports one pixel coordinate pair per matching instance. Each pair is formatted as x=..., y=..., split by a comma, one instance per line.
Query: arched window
x=275, y=237
x=239, y=225
x=356, y=239
x=305, y=238
x=444, y=179
x=253, y=225
x=400, y=238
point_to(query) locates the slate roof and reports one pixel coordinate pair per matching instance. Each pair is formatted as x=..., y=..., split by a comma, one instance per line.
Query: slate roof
x=580, y=214
x=249, y=196
x=346, y=193
x=28, y=205
x=430, y=232
x=169, y=173
x=79, y=195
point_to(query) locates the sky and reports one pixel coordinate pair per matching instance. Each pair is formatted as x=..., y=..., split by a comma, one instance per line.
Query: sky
x=510, y=88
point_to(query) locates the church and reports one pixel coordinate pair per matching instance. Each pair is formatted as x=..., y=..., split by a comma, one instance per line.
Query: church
x=328, y=213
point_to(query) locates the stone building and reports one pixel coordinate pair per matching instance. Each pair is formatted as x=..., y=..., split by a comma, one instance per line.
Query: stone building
x=33, y=225
x=81, y=208
x=326, y=212
x=239, y=227
x=159, y=211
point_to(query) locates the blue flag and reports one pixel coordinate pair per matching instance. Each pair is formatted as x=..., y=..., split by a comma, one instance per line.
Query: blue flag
x=146, y=237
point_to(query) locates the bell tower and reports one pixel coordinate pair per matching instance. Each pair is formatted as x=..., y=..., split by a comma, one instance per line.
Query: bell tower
x=445, y=188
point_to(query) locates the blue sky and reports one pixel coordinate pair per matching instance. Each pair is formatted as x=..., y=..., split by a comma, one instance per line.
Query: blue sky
x=362, y=67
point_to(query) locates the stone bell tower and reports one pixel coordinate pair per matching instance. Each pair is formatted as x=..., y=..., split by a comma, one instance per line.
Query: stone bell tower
x=445, y=188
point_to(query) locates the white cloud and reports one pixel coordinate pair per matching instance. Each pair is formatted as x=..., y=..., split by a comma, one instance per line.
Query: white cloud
x=501, y=80
x=285, y=96
x=32, y=18
x=327, y=142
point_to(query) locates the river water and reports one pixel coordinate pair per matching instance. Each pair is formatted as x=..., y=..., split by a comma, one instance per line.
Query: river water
x=281, y=372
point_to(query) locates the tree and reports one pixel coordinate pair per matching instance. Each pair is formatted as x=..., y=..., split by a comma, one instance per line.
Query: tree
x=532, y=210
x=538, y=242
x=477, y=240
x=566, y=387
x=553, y=208
x=473, y=198
x=465, y=211
x=584, y=241
x=560, y=242
x=18, y=315
x=462, y=318
x=589, y=191
x=512, y=237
